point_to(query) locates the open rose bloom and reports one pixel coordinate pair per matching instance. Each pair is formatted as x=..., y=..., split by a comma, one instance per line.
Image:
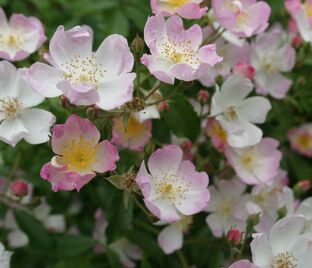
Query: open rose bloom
x=20, y=36
x=19, y=119
x=176, y=52
x=103, y=77
x=301, y=12
x=242, y=17
x=301, y=139
x=173, y=187
x=79, y=155
x=189, y=9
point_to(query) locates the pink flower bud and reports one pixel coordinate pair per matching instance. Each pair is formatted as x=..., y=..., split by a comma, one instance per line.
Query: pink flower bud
x=20, y=188
x=296, y=41
x=244, y=69
x=234, y=236
x=187, y=145
x=163, y=106
x=304, y=185
x=203, y=96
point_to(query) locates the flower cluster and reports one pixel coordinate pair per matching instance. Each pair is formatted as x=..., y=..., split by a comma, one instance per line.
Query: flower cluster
x=186, y=127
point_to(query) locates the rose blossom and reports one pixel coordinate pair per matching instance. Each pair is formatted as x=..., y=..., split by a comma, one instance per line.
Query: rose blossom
x=173, y=187
x=20, y=36
x=236, y=114
x=103, y=77
x=176, y=52
x=242, y=17
x=189, y=9
x=18, y=119
x=79, y=155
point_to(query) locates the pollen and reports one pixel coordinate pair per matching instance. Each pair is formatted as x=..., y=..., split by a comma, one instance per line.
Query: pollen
x=83, y=70
x=242, y=18
x=308, y=8
x=248, y=159
x=285, y=260
x=11, y=107
x=179, y=52
x=230, y=113
x=135, y=127
x=79, y=155
x=177, y=3
x=305, y=141
x=170, y=186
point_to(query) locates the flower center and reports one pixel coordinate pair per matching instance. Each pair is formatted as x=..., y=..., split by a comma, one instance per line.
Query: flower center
x=268, y=65
x=230, y=113
x=179, y=52
x=285, y=260
x=177, y=3
x=234, y=6
x=308, y=8
x=83, y=70
x=305, y=141
x=79, y=155
x=10, y=106
x=248, y=160
x=225, y=207
x=134, y=126
x=242, y=18
x=218, y=131
x=170, y=186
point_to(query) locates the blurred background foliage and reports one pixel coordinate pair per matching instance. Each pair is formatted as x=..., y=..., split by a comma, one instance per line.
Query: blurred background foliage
x=128, y=17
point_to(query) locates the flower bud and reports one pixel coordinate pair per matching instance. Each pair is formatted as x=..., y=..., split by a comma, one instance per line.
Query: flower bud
x=296, y=41
x=282, y=212
x=187, y=145
x=203, y=96
x=234, y=236
x=301, y=187
x=163, y=106
x=137, y=44
x=245, y=70
x=20, y=188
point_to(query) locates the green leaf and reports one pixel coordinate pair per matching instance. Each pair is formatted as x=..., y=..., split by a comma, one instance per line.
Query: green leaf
x=182, y=119
x=39, y=237
x=73, y=245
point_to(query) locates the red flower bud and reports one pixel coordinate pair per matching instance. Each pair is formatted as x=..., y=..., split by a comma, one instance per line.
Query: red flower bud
x=20, y=188
x=304, y=185
x=234, y=236
x=203, y=96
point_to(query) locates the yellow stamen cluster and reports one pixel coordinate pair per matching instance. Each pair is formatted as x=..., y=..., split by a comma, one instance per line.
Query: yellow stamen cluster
x=170, y=186
x=177, y=3
x=231, y=113
x=79, y=155
x=83, y=70
x=10, y=106
x=242, y=18
x=285, y=260
x=248, y=159
x=305, y=141
x=179, y=52
x=11, y=39
x=308, y=8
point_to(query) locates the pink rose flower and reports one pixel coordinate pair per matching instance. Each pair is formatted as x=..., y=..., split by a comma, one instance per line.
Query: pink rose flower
x=301, y=139
x=134, y=136
x=271, y=59
x=173, y=187
x=256, y=164
x=242, y=17
x=188, y=9
x=103, y=77
x=20, y=36
x=176, y=52
x=79, y=155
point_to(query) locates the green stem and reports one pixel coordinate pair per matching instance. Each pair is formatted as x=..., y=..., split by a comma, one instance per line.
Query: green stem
x=144, y=210
x=146, y=226
x=153, y=90
x=137, y=64
x=182, y=259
